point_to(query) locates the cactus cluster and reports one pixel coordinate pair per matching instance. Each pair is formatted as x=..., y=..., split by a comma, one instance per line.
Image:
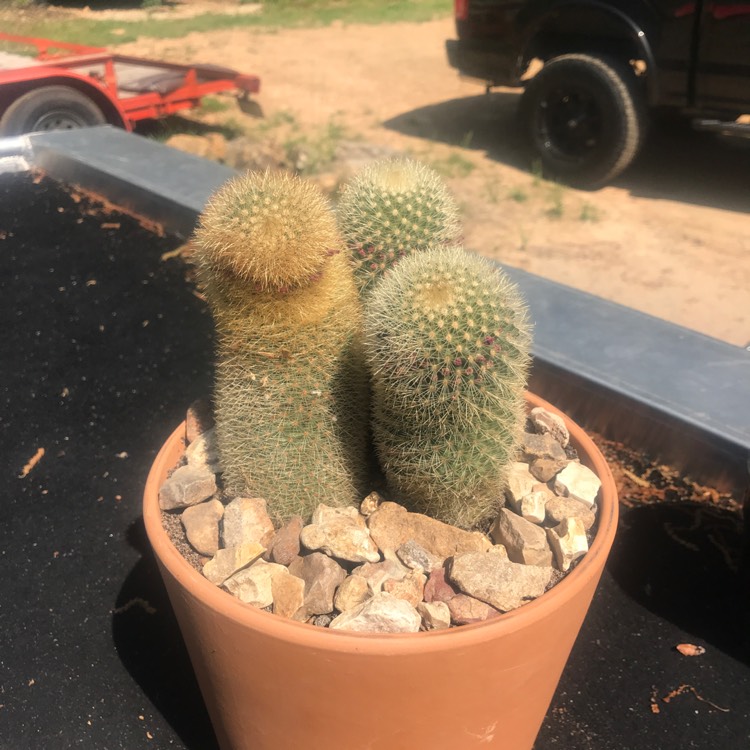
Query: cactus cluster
x=304, y=333
x=290, y=390
x=390, y=210
x=447, y=341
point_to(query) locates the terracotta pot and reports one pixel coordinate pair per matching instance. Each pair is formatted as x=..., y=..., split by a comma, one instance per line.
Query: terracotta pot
x=273, y=684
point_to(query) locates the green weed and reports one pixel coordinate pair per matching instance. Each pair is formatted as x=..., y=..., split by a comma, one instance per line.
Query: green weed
x=589, y=213
x=467, y=139
x=556, y=209
x=536, y=170
x=523, y=239
x=276, y=120
x=274, y=14
x=453, y=165
x=313, y=152
x=492, y=190
x=166, y=129
x=210, y=105
x=518, y=195
x=231, y=128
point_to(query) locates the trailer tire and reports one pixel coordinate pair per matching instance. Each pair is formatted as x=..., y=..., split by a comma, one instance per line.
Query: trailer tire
x=50, y=108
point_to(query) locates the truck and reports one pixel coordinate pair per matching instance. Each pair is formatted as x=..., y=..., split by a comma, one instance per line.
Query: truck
x=595, y=73
x=64, y=86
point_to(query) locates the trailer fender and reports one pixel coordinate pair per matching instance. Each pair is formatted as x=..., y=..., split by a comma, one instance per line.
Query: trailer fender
x=19, y=81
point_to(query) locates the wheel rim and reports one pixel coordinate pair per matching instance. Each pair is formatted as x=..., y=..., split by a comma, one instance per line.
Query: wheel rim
x=59, y=119
x=569, y=124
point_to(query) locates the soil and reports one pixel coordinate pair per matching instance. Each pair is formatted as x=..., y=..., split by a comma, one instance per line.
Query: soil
x=671, y=237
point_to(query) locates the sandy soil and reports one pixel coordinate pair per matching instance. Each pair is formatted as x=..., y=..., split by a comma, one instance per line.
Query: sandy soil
x=670, y=238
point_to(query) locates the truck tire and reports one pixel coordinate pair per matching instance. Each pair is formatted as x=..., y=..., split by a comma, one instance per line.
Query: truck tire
x=50, y=108
x=585, y=119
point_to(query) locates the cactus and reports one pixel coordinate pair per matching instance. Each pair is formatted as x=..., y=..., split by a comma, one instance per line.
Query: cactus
x=447, y=341
x=290, y=393
x=392, y=209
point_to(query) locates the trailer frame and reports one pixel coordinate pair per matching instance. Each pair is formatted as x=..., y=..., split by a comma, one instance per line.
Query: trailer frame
x=52, y=90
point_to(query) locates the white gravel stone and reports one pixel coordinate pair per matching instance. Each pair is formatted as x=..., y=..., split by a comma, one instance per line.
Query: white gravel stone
x=288, y=593
x=415, y=556
x=546, y=421
x=228, y=561
x=520, y=483
x=254, y=585
x=382, y=613
x=503, y=584
x=579, y=482
x=411, y=587
x=245, y=521
x=188, y=485
x=568, y=542
x=498, y=549
x=376, y=574
x=341, y=533
x=203, y=451
x=560, y=508
x=352, y=591
x=525, y=542
x=201, y=524
x=435, y=615
x=391, y=526
x=532, y=506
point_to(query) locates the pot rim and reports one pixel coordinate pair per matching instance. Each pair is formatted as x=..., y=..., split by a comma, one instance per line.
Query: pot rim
x=213, y=597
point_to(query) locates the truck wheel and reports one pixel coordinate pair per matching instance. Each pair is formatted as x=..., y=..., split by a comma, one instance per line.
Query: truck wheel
x=50, y=108
x=585, y=119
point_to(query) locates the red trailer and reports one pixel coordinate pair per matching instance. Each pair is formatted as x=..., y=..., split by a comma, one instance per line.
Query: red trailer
x=71, y=86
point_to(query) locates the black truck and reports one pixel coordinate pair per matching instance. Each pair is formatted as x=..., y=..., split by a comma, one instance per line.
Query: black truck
x=595, y=71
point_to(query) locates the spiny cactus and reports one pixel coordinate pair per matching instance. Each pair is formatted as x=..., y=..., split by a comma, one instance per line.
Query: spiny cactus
x=290, y=391
x=447, y=341
x=390, y=210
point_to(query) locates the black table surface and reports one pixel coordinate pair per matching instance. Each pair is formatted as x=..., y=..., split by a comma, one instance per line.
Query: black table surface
x=104, y=344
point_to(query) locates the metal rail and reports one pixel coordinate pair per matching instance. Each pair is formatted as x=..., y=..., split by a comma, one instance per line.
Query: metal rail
x=680, y=395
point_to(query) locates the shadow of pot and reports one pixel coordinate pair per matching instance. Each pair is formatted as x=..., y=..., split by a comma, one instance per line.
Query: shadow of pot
x=274, y=684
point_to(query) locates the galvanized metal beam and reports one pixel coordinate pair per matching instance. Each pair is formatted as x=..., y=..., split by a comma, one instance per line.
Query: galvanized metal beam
x=681, y=395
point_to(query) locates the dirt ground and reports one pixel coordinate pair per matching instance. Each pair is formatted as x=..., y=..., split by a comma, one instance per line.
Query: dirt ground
x=670, y=238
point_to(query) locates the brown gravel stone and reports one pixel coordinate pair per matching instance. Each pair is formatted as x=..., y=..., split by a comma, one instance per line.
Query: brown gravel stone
x=285, y=545
x=410, y=588
x=321, y=575
x=391, y=526
x=466, y=610
x=438, y=588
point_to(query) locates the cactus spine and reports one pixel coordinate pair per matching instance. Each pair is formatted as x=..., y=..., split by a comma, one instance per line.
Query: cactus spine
x=447, y=341
x=390, y=210
x=290, y=388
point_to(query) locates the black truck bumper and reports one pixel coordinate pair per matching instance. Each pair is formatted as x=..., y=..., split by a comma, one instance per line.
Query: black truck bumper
x=484, y=60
